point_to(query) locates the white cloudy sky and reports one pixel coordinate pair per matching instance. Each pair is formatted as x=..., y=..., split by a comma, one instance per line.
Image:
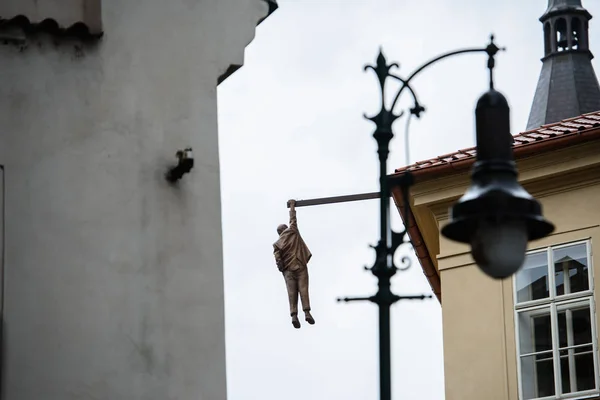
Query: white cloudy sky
x=291, y=126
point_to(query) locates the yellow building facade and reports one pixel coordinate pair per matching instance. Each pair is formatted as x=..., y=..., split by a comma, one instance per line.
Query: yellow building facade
x=534, y=335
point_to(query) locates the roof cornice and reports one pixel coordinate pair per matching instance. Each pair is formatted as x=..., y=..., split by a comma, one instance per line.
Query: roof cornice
x=272, y=6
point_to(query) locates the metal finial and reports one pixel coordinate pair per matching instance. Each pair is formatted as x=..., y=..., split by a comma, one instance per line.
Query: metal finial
x=491, y=63
x=492, y=50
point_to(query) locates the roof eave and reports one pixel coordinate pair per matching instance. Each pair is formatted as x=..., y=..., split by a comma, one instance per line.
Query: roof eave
x=272, y=7
x=419, y=245
x=272, y=4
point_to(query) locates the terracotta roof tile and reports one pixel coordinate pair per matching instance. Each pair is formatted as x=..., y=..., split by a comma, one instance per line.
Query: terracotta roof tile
x=568, y=127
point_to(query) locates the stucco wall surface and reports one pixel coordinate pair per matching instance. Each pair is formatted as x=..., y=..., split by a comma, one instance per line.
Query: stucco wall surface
x=113, y=279
x=478, y=312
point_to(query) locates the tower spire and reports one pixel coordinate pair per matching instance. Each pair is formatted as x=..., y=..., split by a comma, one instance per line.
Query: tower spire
x=568, y=85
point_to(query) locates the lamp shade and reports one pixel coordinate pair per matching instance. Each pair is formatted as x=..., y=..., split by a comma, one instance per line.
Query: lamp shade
x=495, y=200
x=496, y=214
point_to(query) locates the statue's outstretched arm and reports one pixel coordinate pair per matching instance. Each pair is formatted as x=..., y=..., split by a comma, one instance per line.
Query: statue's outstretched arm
x=293, y=219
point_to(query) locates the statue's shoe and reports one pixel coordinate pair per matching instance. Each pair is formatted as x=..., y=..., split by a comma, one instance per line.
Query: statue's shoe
x=309, y=318
x=295, y=322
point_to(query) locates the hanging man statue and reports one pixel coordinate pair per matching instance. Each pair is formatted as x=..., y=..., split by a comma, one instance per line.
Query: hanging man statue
x=292, y=256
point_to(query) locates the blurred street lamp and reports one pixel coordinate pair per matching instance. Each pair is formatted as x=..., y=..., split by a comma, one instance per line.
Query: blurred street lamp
x=496, y=216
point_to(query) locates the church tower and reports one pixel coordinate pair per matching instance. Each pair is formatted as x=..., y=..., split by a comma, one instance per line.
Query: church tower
x=567, y=86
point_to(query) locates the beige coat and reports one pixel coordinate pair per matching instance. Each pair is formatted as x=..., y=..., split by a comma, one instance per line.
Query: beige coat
x=290, y=250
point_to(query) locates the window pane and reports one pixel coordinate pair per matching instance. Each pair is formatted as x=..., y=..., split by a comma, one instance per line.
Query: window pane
x=564, y=374
x=574, y=325
x=571, y=269
x=584, y=367
x=532, y=279
x=535, y=332
x=537, y=376
x=577, y=369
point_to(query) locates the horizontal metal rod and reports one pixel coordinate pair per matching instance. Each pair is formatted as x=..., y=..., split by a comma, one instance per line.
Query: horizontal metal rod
x=337, y=199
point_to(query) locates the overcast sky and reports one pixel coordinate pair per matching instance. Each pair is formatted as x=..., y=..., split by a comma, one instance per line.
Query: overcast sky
x=291, y=126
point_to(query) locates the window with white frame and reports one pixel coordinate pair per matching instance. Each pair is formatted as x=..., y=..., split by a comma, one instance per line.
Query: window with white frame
x=555, y=324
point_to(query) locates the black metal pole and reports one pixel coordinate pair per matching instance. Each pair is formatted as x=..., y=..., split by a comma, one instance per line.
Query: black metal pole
x=385, y=359
x=384, y=268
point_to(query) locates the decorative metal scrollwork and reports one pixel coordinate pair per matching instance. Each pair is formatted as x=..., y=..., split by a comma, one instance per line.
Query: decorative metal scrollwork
x=398, y=241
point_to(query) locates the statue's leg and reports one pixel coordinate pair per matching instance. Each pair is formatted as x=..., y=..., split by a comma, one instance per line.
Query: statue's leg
x=303, y=288
x=292, y=287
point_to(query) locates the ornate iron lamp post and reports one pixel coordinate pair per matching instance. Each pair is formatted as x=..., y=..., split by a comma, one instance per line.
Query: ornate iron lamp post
x=496, y=215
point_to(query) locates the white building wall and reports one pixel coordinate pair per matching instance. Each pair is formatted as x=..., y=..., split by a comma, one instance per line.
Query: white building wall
x=113, y=279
